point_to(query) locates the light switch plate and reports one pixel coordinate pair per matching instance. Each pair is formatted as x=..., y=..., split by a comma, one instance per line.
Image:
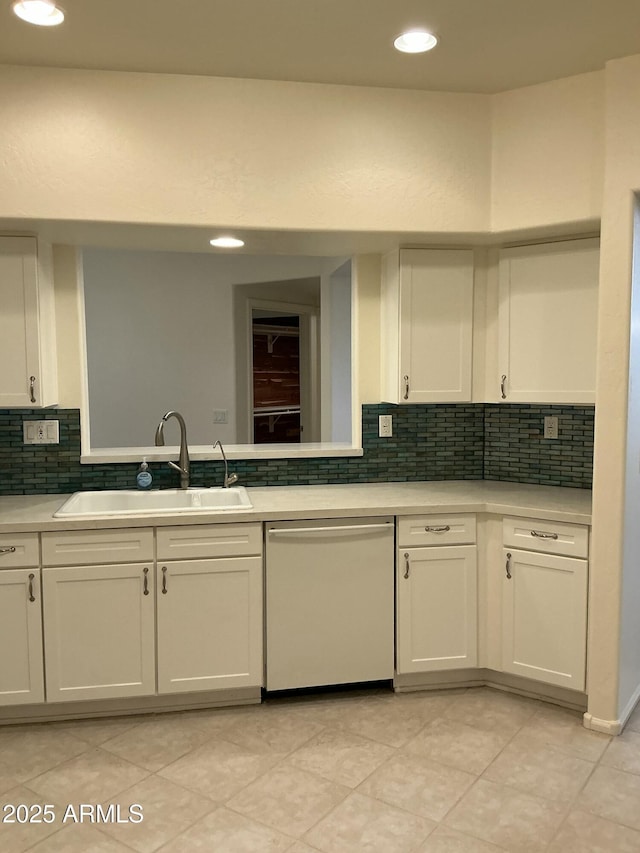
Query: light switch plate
x=41, y=432
x=385, y=426
x=220, y=416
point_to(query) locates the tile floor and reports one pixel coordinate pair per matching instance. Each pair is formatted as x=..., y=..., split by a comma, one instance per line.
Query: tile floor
x=468, y=771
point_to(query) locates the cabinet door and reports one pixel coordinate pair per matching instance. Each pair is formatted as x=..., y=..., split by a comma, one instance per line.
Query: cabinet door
x=427, y=308
x=544, y=617
x=99, y=631
x=209, y=624
x=437, y=608
x=26, y=328
x=547, y=323
x=21, y=670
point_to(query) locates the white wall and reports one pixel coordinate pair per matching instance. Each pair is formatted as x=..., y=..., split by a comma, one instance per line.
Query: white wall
x=548, y=153
x=613, y=653
x=161, y=336
x=157, y=148
x=340, y=355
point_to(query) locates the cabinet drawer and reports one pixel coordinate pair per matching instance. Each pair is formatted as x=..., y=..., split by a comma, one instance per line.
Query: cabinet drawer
x=418, y=530
x=82, y=547
x=19, y=550
x=209, y=540
x=548, y=537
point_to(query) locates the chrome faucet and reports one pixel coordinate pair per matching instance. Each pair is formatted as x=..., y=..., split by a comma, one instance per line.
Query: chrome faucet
x=229, y=479
x=183, y=460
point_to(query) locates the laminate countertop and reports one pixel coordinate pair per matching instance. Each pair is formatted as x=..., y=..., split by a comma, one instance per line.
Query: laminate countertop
x=35, y=512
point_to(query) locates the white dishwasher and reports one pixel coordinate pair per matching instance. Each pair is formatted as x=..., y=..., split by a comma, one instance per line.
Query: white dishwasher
x=329, y=602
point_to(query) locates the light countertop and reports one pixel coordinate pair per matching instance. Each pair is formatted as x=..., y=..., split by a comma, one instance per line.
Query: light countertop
x=35, y=512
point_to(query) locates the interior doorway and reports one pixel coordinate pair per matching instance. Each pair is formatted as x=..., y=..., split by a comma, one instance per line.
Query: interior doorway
x=276, y=377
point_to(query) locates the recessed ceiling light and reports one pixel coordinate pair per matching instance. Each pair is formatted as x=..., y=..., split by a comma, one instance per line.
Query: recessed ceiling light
x=415, y=41
x=226, y=242
x=43, y=13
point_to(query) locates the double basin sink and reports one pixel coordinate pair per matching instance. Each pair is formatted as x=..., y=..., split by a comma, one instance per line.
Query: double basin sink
x=156, y=502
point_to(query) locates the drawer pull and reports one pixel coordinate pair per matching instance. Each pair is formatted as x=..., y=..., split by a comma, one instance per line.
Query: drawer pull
x=11, y=549
x=508, y=567
x=32, y=388
x=502, y=386
x=540, y=534
x=406, y=566
x=164, y=580
x=406, y=387
x=445, y=528
x=31, y=595
x=145, y=585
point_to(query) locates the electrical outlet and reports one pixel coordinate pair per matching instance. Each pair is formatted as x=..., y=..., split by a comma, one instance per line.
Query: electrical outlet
x=41, y=432
x=220, y=416
x=551, y=426
x=385, y=426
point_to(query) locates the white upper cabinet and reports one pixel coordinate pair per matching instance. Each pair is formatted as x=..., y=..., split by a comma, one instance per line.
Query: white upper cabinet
x=28, y=369
x=547, y=323
x=426, y=334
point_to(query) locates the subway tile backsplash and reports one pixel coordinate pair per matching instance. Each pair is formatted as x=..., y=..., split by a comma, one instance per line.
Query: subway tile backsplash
x=430, y=442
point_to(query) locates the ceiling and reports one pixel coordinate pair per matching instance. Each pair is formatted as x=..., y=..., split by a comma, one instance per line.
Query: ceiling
x=485, y=45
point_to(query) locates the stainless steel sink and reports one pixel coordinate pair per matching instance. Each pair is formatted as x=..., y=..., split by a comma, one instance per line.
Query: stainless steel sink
x=156, y=502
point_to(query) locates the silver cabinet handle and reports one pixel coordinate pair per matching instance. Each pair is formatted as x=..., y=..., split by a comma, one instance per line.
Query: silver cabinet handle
x=502, y=386
x=540, y=534
x=406, y=566
x=145, y=585
x=32, y=387
x=164, y=580
x=406, y=387
x=443, y=529
x=31, y=595
x=11, y=549
x=508, y=566
x=283, y=531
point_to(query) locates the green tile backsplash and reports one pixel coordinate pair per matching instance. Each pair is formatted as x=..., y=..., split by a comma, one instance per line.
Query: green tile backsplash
x=435, y=442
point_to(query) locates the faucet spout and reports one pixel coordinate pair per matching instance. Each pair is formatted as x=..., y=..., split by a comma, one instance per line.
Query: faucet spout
x=183, y=460
x=229, y=479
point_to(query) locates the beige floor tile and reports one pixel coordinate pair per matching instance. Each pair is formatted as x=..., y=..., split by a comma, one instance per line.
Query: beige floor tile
x=427, y=704
x=360, y=823
x=585, y=833
x=538, y=769
x=341, y=756
x=272, y=731
x=445, y=840
x=614, y=795
x=623, y=752
x=289, y=799
x=224, y=831
x=513, y=820
x=219, y=769
x=420, y=786
x=97, y=732
x=492, y=710
x=168, y=810
x=7, y=780
x=80, y=839
x=457, y=745
x=157, y=742
x=563, y=730
x=93, y=777
x=28, y=751
x=328, y=711
x=16, y=837
x=386, y=721
x=301, y=847
x=215, y=720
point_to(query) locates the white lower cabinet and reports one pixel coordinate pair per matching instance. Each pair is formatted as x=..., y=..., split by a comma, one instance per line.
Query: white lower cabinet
x=99, y=631
x=436, y=587
x=21, y=670
x=544, y=617
x=209, y=624
x=544, y=600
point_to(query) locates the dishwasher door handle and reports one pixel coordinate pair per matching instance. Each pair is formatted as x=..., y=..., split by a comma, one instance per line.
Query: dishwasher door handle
x=288, y=531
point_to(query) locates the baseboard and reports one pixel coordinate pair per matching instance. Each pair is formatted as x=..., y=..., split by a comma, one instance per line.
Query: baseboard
x=450, y=679
x=613, y=727
x=88, y=709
